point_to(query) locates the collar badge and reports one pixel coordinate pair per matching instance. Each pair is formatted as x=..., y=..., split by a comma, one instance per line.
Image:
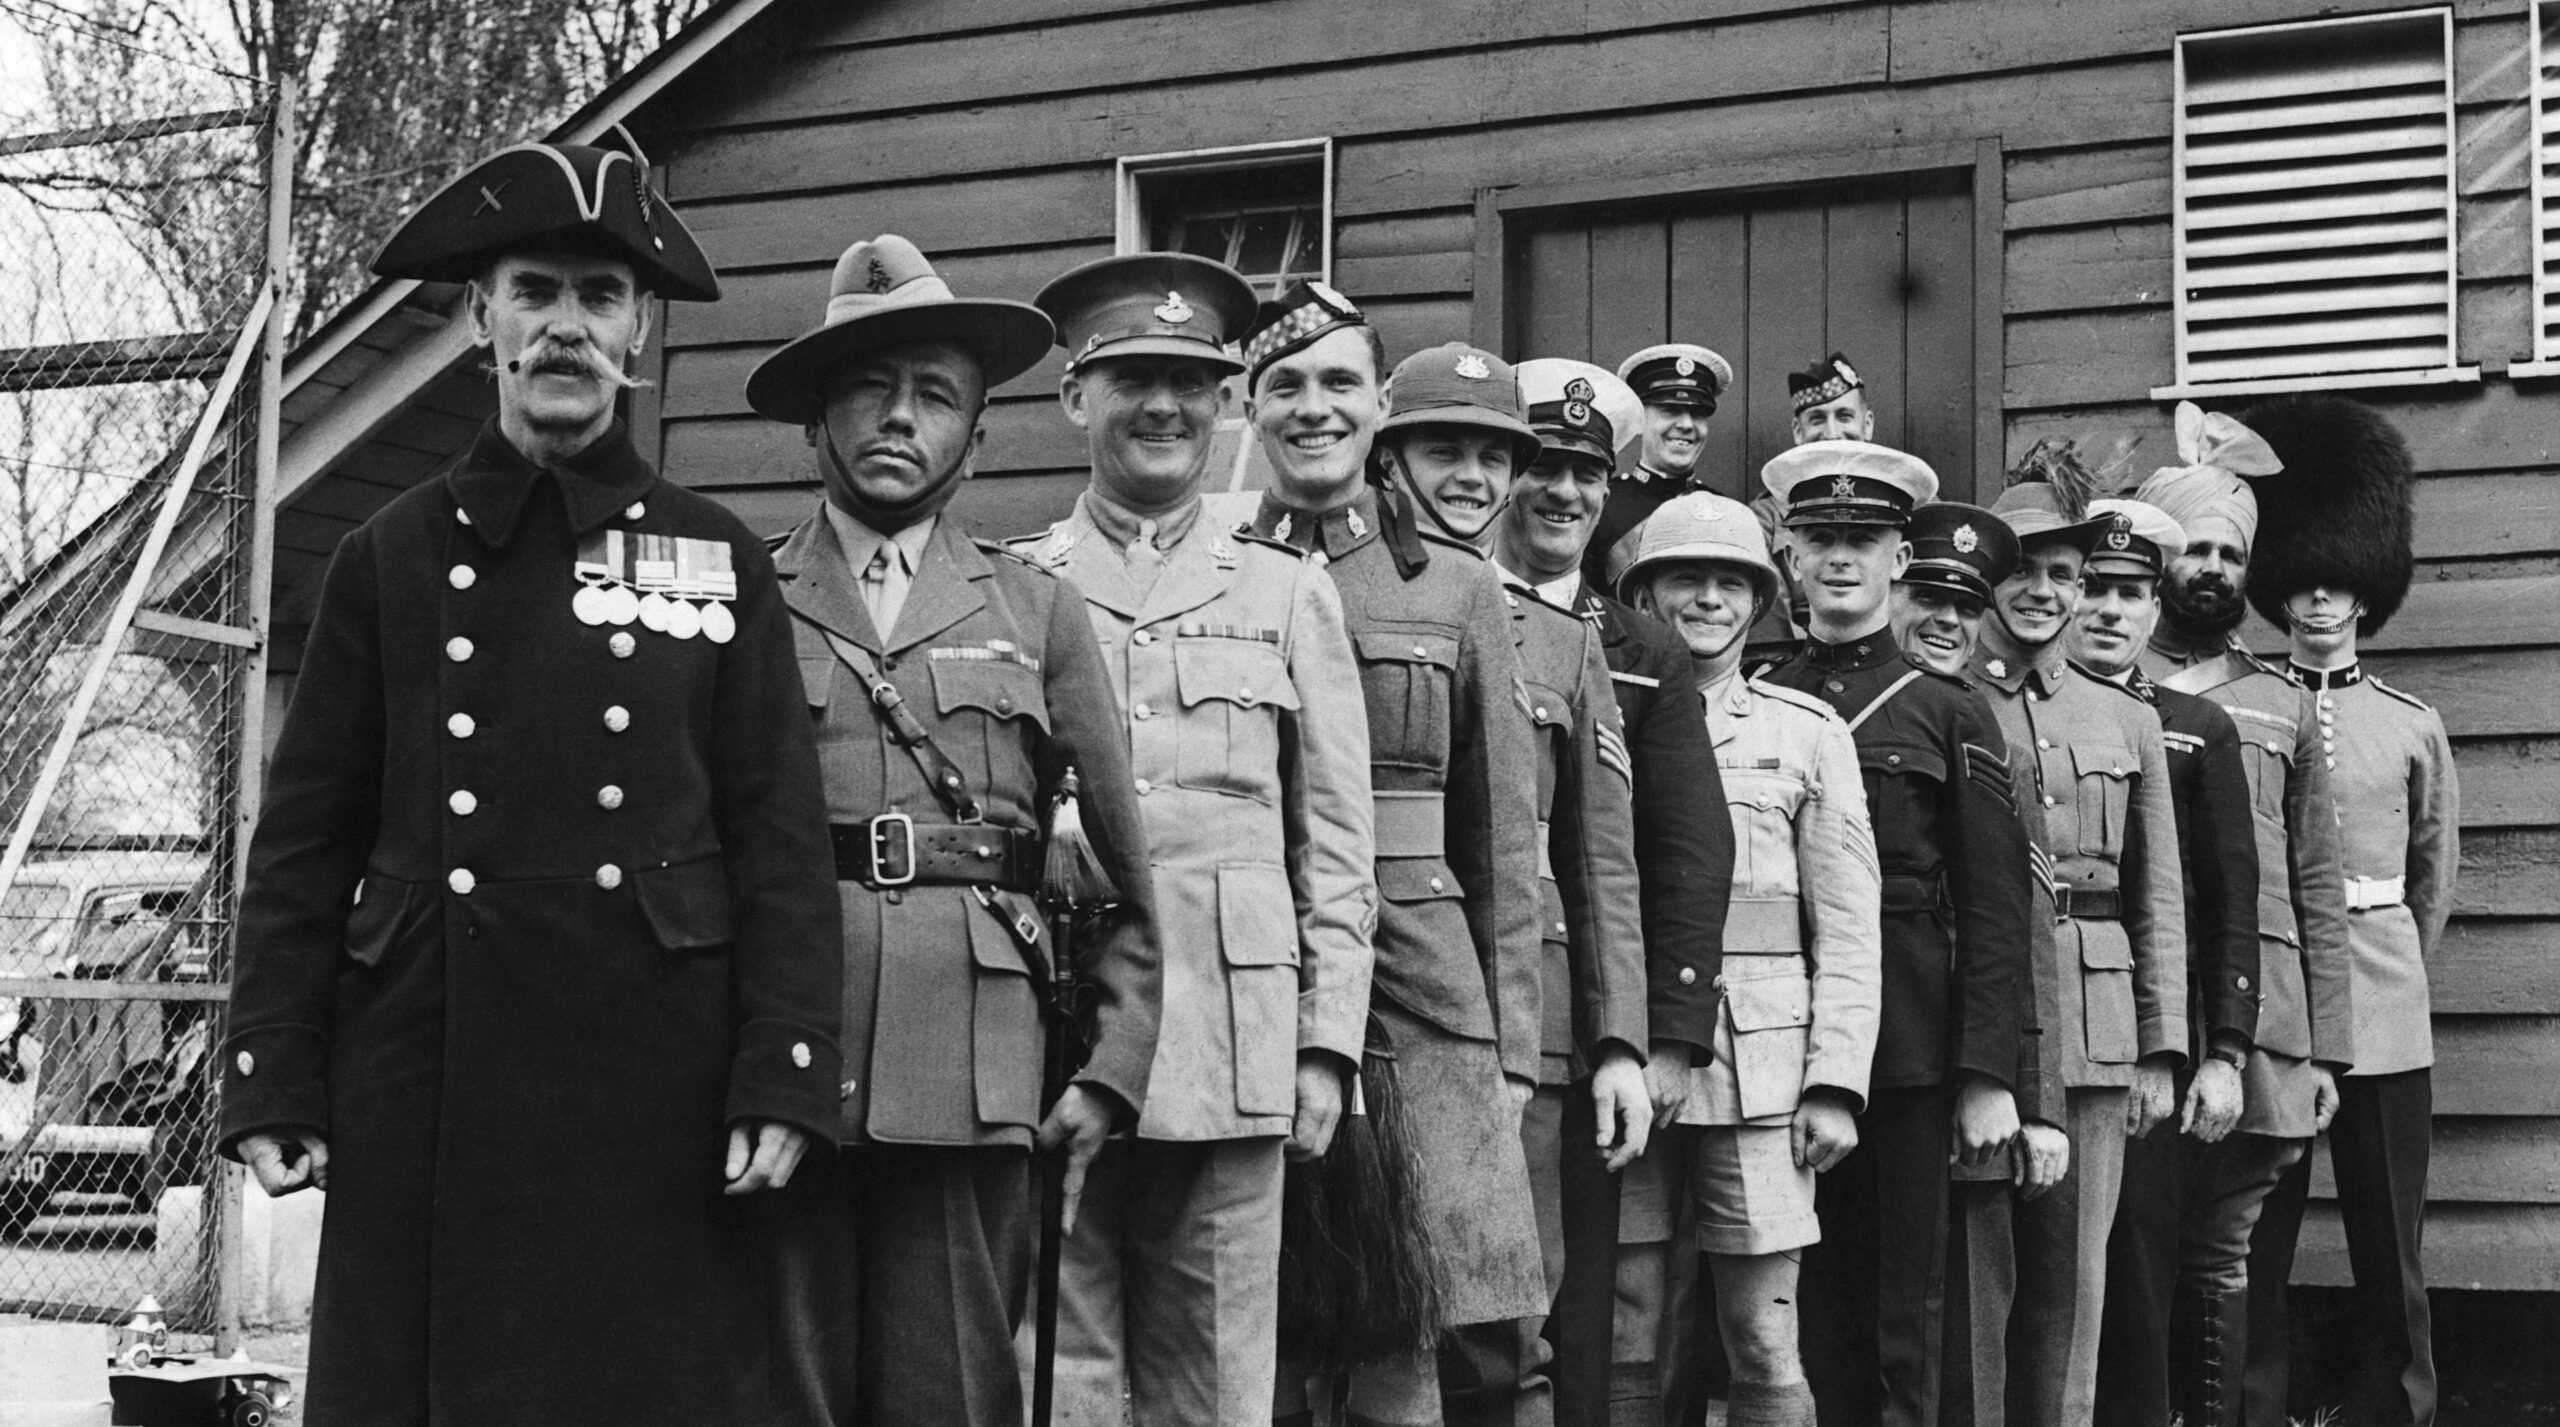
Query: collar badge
x=1359, y=527
x=1997, y=668
x=1472, y=367
x=1173, y=309
x=1966, y=539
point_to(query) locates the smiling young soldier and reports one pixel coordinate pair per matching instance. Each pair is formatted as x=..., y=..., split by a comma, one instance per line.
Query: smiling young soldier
x=2334, y=565
x=2101, y=775
x=1776, y=1104
x=2170, y=1341
x=928, y=1201
x=537, y=942
x=1684, y=854
x=1679, y=384
x=1455, y=437
x=1229, y=661
x=1955, y=936
x=1959, y=554
x=1454, y=776
x=2306, y=1032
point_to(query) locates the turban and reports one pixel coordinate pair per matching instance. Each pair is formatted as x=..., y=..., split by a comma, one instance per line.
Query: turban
x=2218, y=450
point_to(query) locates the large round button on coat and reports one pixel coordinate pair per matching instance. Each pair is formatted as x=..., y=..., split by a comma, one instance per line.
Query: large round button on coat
x=248, y=1063
x=635, y=510
x=463, y=802
x=608, y=797
x=800, y=1054
x=622, y=644
x=616, y=719
x=1144, y=787
x=608, y=876
x=1688, y=976
x=461, y=880
x=461, y=725
x=457, y=649
x=462, y=577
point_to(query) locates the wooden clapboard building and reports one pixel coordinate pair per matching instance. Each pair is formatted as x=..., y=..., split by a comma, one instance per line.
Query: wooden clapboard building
x=2017, y=217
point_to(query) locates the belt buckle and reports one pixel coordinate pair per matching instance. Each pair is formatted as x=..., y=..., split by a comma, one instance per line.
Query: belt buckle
x=894, y=833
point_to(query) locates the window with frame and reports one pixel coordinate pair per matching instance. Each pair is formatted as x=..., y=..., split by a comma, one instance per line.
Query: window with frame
x=2314, y=206
x=2545, y=28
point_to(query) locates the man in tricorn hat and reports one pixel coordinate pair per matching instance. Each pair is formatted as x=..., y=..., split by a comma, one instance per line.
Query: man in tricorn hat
x=2306, y=1033
x=1248, y=739
x=952, y=688
x=2334, y=565
x=1956, y=904
x=2177, y=1256
x=2100, y=774
x=1679, y=384
x=1775, y=1104
x=1456, y=817
x=537, y=947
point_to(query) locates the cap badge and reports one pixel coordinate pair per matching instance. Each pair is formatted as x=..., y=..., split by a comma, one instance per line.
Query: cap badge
x=489, y=199
x=1173, y=309
x=1966, y=538
x=2118, y=540
x=1325, y=290
x=877, y=280
x=1577, y=413
x=1579, y=389
x=1848, y=373
x=1684, y=366
x=1472, y=367
x=1843, y=488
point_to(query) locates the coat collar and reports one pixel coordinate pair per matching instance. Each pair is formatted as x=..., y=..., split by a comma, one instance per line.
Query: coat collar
x=493, y=480
x=1869, y=651
x=818, y=584
x=1198, y=568
x=1335, y=533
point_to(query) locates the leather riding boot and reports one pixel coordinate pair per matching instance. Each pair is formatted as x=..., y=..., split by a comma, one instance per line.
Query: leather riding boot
x=2209, y=1355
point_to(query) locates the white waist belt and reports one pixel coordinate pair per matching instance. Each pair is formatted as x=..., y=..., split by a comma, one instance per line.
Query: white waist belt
x=2366, y=893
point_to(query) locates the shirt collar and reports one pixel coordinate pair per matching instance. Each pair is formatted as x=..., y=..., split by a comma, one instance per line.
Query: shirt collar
x=1120, y=525
x=2321, y=679
x=1564, y=591
x=493, y=479
x=861, y=542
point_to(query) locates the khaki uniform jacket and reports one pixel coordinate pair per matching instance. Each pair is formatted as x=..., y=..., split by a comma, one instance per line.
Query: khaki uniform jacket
x=1804, y=943
x=1251, y=763
x=943, y=1032
x=1452, y=764
x=2306, y=1001
x=2102, y=778
x=2399, y=818
x=1592, y=986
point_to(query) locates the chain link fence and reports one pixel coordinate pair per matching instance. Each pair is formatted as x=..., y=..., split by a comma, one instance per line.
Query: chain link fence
x=136, y=422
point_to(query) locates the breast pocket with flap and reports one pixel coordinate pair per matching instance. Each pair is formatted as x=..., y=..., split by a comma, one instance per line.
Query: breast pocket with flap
x=1234, y=694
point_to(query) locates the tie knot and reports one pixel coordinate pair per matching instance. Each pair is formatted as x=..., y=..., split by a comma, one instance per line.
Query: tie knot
x=880, y=564
x=1147, y=532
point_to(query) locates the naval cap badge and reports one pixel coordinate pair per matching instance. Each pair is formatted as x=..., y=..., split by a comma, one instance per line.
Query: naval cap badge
x=1843, y=488
x=1173, y=309
x=1579, y=389
x=1472, y=367
x=1966, y=538
x=1685, y=367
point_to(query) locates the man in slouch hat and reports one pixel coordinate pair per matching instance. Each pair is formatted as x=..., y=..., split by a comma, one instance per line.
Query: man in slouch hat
x=1956, y=901
x=952, y=687
x=2306, y=1034
x=1775, y=1105
x=1455, y=788
x=538, y=966
x=2169, y=1341
x=1233, y=672
x=2100, y=774
x=1679, y=384
x=2333, y=566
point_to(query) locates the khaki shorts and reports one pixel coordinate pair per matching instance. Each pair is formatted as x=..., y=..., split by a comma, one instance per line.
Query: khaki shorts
x=1744, y=1190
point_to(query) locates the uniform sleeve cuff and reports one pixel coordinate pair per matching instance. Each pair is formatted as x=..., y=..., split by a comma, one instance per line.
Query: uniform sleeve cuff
x=786, y=1072
x=274, y=1079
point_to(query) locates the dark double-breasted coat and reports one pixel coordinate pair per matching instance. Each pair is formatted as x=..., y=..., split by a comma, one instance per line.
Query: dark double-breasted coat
x=2218, y=848
x=535, y=909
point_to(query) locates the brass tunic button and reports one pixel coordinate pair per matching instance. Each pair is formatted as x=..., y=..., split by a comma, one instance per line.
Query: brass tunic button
x=2240, y=983
x=2048, y=800
x=461, y=881
x=800, y=1054
x=461, y=516
x=1245, y=694
x=608, y=876
x=2045, y=743
x=1144, y=787
x=1539, y=712
x=1437, y=885
x=1142, y=637
x=462, y=577
x=616, y=719
x=1421, y=653
x=1004, y=703
x=1560, y=929
x=461, y=726
x=1893, y=758
x=608, y=797
x=463, y=802
x=457, y=649
x=1688, y=976
x=248, y=1063
x=894, y=896
x=635, y=510
x=1143, y=711
x=622, y=644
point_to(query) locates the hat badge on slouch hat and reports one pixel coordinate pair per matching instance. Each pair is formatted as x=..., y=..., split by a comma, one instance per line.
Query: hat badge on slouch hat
x=884, y=293
x=552, y=198
x=2047, y=498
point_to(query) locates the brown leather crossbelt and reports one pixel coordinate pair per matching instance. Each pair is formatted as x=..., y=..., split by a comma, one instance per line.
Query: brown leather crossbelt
x=894, y=850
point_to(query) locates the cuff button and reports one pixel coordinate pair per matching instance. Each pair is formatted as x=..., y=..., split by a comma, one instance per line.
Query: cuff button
x=248, y=1063
x=800, y=1054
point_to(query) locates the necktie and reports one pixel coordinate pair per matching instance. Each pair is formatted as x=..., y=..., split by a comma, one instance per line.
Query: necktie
x=1145, y=560
x=884, y=587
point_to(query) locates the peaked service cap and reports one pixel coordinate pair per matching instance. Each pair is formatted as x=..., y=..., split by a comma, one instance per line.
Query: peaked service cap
x=1677, y=374
x=1578, y=407
x=1848, y=483
x=1962, y=549
x=1150, y=305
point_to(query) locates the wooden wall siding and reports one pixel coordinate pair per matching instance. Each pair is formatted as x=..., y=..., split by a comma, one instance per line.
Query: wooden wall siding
x=987, y=130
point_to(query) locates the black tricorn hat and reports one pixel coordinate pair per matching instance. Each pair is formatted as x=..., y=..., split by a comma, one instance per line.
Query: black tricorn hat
x=552, y=198
x=2342, y=514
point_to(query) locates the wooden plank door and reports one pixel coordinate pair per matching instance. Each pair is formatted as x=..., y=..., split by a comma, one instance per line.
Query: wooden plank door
x=1881, y=271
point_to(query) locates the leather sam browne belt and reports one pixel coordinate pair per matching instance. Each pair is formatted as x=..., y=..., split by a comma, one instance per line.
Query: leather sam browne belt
x=894, y=850
x=2088, y=904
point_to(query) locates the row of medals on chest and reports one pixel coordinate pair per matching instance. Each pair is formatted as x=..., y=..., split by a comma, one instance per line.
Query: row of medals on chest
x=668, y=584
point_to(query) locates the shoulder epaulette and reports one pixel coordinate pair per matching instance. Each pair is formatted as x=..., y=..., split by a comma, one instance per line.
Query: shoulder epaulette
x=1923, y=665
x=1005, y=548
x=2412, y=700
x=780, y=538
x=1246, y=534
x=2261, y=665
x=1785, y=695
x=2108, y=684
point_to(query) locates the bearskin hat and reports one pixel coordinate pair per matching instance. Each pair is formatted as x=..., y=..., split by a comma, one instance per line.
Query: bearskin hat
x=2342, y=514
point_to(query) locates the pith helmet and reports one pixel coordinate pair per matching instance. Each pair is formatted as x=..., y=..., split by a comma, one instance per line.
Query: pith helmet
x=1702, y=526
